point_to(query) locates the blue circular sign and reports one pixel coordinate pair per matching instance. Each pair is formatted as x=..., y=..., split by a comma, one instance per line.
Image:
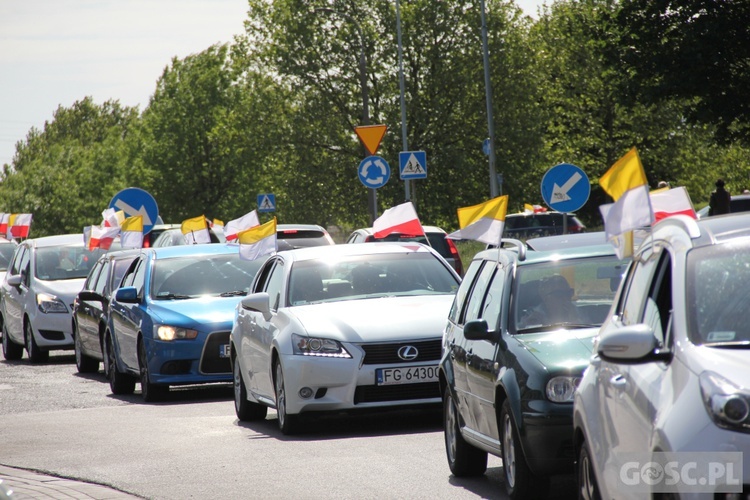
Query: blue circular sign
x=565, y=188
x=135, y=201
x=374, y=172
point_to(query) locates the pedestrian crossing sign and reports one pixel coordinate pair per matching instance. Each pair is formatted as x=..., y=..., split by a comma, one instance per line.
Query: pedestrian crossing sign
x=266, y=202
x=412, y=165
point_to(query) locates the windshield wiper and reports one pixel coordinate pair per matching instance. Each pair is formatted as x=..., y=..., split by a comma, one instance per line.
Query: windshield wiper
x=233, y=293
x=737, y=344
x=170, y=295
x=555, y=326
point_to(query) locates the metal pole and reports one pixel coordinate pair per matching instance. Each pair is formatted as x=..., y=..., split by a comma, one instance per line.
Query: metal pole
x=372, y=194
x=405, y=144
x=488, y=93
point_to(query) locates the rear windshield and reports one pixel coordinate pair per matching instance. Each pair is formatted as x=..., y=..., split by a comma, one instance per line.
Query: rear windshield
x=6, y=252
x=437, y=241
x=303, y=237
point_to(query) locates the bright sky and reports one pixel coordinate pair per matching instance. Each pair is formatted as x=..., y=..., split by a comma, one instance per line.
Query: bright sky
x=56, y=52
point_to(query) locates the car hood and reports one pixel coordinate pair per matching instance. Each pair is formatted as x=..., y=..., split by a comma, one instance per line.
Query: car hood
x=215, y=311
x=729, y=363
x=375, y=320
x=560, y=350
x=65, y=290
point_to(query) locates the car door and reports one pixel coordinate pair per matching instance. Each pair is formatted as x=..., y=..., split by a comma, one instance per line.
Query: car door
x=13, y=296
x=266, y=330
x=89, y=311
x=126, y=317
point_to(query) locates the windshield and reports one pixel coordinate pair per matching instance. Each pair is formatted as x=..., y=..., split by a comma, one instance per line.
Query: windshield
x=6, y=253
x=376, y=275
x=574, y=293
x=196, y=275
x=717, y=287
x=64, y=263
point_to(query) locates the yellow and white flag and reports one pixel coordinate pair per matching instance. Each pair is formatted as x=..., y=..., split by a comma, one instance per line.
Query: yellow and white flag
x=112, y=218
x=626, y=183
x=131, y=232
x=258, y=241
x=195, y=230
x=484, y=222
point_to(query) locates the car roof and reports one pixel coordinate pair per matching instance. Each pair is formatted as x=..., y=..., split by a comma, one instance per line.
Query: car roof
x=371, y=248
x=199, y=249
x=56, y=240
x=567, y=240
x=535, y=256
x=710, y=230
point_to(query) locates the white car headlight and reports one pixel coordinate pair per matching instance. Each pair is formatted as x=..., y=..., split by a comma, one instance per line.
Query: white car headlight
x=726, y=404
x=167, y=332
x=48, y=303
x=561, y=389
x=315, y=346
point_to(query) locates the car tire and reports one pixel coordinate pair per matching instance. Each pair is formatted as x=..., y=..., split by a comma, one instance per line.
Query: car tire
x=464, y=459
x=246, y=410
x=84, y=363
x=11, y=350
x=587, y=486
x=288, y=424
x=151, y=392
x=36, y=355
x=520, y=482
x=119, y=383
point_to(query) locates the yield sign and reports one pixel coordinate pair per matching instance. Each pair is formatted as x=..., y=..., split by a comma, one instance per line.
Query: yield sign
x=371, y=135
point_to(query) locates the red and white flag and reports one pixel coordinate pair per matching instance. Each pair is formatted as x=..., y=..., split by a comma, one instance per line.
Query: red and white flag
x=20, y=226
x=399, y=219
x=668, y=202
x=236, y=226
x=112, y=218
x=4, y=225
x=102, y=237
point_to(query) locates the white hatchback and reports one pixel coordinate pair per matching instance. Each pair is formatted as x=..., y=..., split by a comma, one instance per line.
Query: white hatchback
x=664, y=407
x=37, y=295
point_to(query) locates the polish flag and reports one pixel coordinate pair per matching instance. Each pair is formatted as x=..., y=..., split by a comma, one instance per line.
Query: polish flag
x=236, y=226
x=4, y=219
x=112, y=218
x=21, y=225
x=399, y=219
x=675, y=201
x=102, y=237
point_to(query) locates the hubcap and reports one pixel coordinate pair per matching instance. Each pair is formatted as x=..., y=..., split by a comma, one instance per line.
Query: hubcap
x=237, y=387
x=450, y=429
x=587, y=485
x=280, y=395
x=509, y=452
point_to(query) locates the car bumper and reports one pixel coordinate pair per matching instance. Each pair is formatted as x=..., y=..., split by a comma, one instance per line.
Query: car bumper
x=199, y=361
x=52, y=331
x=548, y=439
x=337, y=384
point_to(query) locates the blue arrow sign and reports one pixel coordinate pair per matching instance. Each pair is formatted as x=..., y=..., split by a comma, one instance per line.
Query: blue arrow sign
x=266, y=202
x=565, y=188
x=374, y=172
x=135, y=201
x=412, y=165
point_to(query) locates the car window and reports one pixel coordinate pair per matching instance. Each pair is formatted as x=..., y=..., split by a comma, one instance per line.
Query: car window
x=24, y=265
x=127, y=279
x=637, y=288
x=493, y=304
x=6, y=254
x=15, y=266
x=458, y=303
x=98, y=277
x=275, y=282
x=476, y=297
x=139, y=277
x=120, y=267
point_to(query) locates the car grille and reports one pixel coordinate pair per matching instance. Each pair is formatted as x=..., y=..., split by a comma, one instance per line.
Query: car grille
x=210, y=361
x=404, y=392
x=380, y=354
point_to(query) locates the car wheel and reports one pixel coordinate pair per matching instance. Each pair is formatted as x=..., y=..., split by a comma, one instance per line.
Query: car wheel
x=119, y=383
x=246, y=410
x=11, y=350
x=520, y=482
x=464, y=460
x=587, y=488
x=151, y=392
x=84, y=364
x=36, y=355
x=288, y=424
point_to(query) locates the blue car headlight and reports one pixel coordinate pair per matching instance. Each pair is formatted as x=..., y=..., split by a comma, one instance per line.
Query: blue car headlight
x=316, y=346
x=48, y=303
x=168, y=333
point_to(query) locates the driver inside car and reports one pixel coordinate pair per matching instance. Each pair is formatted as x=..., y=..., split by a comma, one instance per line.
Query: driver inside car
x=555, y=306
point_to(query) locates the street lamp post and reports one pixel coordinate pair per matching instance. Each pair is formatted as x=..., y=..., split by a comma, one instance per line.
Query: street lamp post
x=372, y=196
x=405, y=144
x=488, y=94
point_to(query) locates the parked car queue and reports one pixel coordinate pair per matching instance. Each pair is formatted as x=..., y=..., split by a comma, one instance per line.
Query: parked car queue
x=581, y=392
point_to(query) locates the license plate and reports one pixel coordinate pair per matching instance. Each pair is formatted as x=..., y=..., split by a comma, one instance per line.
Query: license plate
x=224, y=351
x=406, y=375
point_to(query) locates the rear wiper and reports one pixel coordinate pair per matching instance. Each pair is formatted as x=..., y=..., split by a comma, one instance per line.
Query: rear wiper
x=170, y=295
x=234, y=293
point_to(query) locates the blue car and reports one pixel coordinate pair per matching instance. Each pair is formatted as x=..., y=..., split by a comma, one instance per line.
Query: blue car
x=170, y=319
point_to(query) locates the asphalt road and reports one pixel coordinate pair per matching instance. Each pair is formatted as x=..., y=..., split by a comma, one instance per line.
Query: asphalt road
x=53, y=419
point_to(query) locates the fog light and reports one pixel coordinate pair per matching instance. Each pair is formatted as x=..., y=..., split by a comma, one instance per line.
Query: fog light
x=305, y=393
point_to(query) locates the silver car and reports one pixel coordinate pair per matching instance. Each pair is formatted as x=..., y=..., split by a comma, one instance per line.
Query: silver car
x=37, y=295
x=341, y=327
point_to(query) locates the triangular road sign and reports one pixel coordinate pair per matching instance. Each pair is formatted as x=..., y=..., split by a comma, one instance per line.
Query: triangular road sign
x=371, y=135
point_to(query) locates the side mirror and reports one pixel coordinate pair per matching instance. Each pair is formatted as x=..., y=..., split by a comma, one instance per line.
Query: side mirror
x=127, y=295
x=477, y=329
x=90, y=295
x=260, y=302
x=632, y=344
x=15, y=280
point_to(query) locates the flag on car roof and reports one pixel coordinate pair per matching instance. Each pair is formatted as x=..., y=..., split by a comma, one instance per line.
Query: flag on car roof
x=101, y=237
x=4, y=224
x=112, y=217
x=131, y=232
x=533, y=209
x=667, y=202
x=626, y=183
x=20, y=225
x=196, y=230
x=399, y=219
x=236, y=226
x=258, y=241
x=484, y=222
